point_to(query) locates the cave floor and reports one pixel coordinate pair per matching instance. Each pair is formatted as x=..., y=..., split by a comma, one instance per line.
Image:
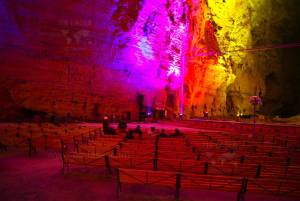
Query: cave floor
x=40, y=178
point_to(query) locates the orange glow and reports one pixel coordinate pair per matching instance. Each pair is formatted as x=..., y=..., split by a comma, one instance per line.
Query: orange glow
x=206, y=74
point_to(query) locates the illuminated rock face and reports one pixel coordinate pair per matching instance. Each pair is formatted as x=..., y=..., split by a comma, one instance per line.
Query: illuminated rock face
x=223, y=78
x=90, y=58
x=87, y=59
x=208, y=74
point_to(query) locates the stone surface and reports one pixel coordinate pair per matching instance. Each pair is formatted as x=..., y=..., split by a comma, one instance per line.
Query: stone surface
x=84, y=59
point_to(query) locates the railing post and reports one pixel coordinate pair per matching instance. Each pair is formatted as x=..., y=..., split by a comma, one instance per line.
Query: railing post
x=115, y=151
x=156, y=148
x=198, y=156
x=205, y=168
x=155, y=164
x=245, y=185
x=63, y=154
x=288, y=161
x=107, y=164
x=29, y=146
x=258, y=171
x=119, y=189
x=243, y=190
x=178, y=177
x=76, y=144
x=242, y=160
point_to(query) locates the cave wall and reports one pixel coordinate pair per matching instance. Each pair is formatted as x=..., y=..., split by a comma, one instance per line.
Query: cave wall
x=84, y=59
x=238, y=50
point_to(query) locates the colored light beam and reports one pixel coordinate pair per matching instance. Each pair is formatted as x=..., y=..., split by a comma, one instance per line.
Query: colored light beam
x=177, y=34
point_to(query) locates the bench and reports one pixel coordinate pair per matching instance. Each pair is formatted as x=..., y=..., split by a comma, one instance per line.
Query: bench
x=180, y=180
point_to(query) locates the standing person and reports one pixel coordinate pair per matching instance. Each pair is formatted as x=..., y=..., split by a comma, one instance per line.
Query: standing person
x=138, y=131
x=122, y=125
x=177, y=133
x=106, y=128
x=105, y=123
x=130, y=135
x=162, y=133
x=151, y=132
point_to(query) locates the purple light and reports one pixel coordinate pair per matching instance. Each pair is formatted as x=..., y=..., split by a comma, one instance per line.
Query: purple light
x=149, y=111
x=151, y=51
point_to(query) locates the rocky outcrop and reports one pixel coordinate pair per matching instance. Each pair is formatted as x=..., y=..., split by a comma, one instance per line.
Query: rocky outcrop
x=86, y=59
x=246, y=55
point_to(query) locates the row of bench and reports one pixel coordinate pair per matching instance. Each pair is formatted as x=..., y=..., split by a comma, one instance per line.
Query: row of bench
x=32, y=137
x=183, y=180
x=185, y=157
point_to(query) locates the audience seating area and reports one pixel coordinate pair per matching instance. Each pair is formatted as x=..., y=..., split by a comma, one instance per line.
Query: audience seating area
x=32, y=138
x=264, y=162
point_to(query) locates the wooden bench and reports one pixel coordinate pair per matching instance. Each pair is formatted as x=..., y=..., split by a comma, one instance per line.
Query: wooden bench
x=179, y=180
x=283, y=187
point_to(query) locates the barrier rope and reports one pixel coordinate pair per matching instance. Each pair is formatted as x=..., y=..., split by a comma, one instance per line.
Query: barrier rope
x=144, y=162
x=163, y=178
x=140, y=181
x=166, y=164
x=193, y=181
x=262, y=187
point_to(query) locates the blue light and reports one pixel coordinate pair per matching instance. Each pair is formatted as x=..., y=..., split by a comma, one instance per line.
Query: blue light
x=146, y=48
